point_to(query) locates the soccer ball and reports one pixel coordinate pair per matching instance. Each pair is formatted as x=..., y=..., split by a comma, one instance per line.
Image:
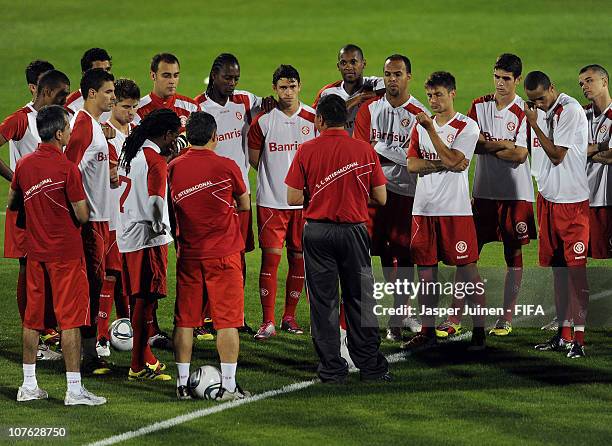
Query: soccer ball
x=205, y=382
x=122, y=335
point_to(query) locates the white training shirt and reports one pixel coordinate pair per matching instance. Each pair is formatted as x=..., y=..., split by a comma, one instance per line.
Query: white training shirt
x=444, y=193
x=88, y=149
x=497, y=179
x=278, y=137
x=114, y=147
x=20, y=130
x=599, y=175
x=566, y=125
x=390, y=129
x=233, y=121
x=147, y=177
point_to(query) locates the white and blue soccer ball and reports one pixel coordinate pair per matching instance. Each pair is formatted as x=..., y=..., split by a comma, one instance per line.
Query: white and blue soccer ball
x=205, y=382
x=122, y=335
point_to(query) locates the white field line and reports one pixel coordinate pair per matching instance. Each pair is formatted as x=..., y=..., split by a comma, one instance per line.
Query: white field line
x=171, y=422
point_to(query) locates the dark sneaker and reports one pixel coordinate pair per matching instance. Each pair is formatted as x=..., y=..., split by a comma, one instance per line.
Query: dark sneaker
x=95, y=366
x=290, y=325
x=419, y=342
x=576, y=351
x=385, y=377
x=225, y=395
x=182, y=393
x=161, y=340
x=556, y=343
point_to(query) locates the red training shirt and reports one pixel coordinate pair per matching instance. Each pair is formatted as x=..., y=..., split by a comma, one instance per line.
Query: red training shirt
x=337, y=173
x=203, y=186
x=49, y=182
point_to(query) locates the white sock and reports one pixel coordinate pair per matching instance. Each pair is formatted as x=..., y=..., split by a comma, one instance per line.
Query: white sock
x=183, y=373
x=29, y=376
x=228, y=376
x=73, y=380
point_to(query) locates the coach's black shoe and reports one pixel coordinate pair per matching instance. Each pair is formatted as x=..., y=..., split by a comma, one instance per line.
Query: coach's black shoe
x=478, y=342
x=183, y=393
x=556, y=343
x=95, y=366
x=576, y=351
x=385, y=377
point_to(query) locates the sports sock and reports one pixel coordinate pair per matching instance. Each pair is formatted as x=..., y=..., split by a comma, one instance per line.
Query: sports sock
x=294, y=285
x=21, y=292
x=152, y=324
x=73, y=382
x=122, y=301
x=428, y=299
x=106, y=306
x=228, y=375
x=561, y=285
x=268, y=283
x=88, y=345
x=566, y=330
x=183, y=373
x=139, y=315
x=342, y=316
x=579, y=295
x=29, y=376
x=579, y=334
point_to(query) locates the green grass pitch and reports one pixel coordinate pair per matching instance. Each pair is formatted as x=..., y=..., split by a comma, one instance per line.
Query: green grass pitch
x=510, y=396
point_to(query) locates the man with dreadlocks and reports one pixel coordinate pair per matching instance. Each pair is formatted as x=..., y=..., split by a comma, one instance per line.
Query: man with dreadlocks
x=233, y=111
x=145, y=228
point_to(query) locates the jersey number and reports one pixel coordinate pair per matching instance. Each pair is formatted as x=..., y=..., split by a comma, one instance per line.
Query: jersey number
x=126, y=191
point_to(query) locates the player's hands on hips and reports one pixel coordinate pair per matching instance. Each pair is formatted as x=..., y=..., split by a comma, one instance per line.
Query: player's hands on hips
x=268, y=103
x=424, y=119
x=359, y=99
x=109, y=132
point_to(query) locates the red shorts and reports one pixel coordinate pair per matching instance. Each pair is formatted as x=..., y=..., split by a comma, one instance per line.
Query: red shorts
x=63, y=285
x=221, y=280
x=246, y=229
x=112, y=258
x=95, y=239
x=451, y=240
x=14, y=237
x=144, y=272
x=508, y=221
x=600, y=232
x=280, y=226
x=564, y=232
x=389, y=226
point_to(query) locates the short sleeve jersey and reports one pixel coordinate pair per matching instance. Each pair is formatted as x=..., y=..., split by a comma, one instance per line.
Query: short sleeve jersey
x=146, y=178
x=371, y=83
x=444, y=193
x=233, y=121
x=114, y=149
x=389, y=128
x=494, y=178
x=336, y=173
x=49, y=183
x=203, y=187
x=20, y=130
x=566, y=125
x=599, y=175
x=278, y=137
x=183, y=106
x=88, y=149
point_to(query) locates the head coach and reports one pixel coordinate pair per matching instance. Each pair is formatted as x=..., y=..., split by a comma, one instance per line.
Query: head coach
x=338, y=176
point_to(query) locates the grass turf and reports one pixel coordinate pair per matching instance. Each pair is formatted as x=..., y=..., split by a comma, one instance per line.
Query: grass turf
x=511, y=395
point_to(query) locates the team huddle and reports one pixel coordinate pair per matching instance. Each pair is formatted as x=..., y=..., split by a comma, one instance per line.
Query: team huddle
x=103, y=179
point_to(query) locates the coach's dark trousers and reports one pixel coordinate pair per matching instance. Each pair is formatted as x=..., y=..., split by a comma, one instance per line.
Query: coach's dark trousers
x=335, y=251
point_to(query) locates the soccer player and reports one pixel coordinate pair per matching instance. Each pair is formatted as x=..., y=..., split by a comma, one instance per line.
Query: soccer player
x=503, y=190
x=387, y=122
x=127, y=97
x=165, y=74
x=594, y=81
x=33, y=71
x=233, y=111
x=559, y=166
x=88, y=149
x=204, y=187
x=19, y=129
x=354, y=88
x=48, y=187
x=145, y=229
x=442, y=225
x=274, y=139
x=92, y=58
